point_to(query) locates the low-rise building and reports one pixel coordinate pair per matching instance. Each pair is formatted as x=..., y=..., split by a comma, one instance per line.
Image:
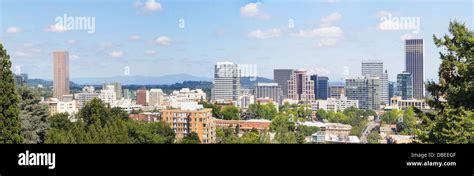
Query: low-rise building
x=191, y=117
x=398, y=103
x=244, y=125
x=333, y=104
x=55, y=106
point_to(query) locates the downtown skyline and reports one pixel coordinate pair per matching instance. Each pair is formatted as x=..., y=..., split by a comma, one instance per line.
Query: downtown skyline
x=326, y=39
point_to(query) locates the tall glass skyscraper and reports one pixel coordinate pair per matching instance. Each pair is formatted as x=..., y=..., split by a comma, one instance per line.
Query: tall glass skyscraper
x=281, y=77
x=404, y=86
x=414, y=65
x=321, y=87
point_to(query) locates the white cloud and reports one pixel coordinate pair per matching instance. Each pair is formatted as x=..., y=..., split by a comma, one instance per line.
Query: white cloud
x=383, y=13
x=271, y=33
x=328, y=20
x=116, y=54
x=407, y=36
x=326, y=32
x=148, y=6
x=55, y=28
x=14, y=29
x=134, y=37
x=150, y=52
x=253, y=10
x=163, y=40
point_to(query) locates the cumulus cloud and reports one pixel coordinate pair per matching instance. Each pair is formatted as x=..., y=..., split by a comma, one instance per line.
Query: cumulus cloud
x=163, y=40
x=328, y=20
x=253, y=10
x=271, y=33
x=148, y=6
x=14, y=29
x=116, y=54
x=383, y=13
x=327, y=34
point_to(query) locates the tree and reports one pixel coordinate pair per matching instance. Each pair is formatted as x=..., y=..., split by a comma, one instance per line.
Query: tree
x=373, y=137
x=191, y=138
x=321, y=114
x=230, y=113
x=307, y=130
x=453, y=118
x=33, y=115
x=408, y=124
x=10, y=124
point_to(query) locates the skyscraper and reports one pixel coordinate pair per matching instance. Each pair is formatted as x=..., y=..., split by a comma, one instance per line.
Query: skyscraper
x=335, y=91
x=321, y=87
x=281, y=77
x=405, y=86
x=364, y=89
x=117, y=89
x=60, y=74
x=268, y=90
x=141, y=97
x=414, y=65
x=301, y=87
x=226, y=82
x=391, y=89
x=374, y=68
x=156, y=97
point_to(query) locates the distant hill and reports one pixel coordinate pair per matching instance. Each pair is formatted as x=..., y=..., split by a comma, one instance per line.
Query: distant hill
x=47, y=83
x=141, y=80
x=250, y=82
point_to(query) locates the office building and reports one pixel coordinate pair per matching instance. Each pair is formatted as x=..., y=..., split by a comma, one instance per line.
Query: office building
x=156, y=97
x=60, y=74
x=374, y=68
x=271, y=91
x=404, y=86
x=226, y=82
x=142, y=97
x=117, y=89
x=321, y=87
x=364, y=89
x=414, y=64
x=281, y=77
x=335, y=91
x=301, y=87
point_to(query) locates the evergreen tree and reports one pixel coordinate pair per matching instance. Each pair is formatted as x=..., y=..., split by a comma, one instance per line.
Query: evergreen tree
x=453, y=119
x=10, y=124
x=33, y=115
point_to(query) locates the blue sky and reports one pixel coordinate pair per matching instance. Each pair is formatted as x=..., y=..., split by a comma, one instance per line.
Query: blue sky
x=327, y=36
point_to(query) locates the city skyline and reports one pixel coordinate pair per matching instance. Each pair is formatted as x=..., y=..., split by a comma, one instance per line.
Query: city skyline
x=331, y=39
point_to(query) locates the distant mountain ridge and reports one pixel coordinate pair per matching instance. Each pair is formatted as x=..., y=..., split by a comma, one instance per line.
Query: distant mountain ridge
x=141, y=80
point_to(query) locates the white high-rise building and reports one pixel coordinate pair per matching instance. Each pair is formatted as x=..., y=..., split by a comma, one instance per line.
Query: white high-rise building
x=156, y=97
x=108, y=95
x=226, y=82
x=374, y=68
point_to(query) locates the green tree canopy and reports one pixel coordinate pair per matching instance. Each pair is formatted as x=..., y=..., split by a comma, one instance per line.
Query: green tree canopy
x=10, y=124
x=453, y=95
